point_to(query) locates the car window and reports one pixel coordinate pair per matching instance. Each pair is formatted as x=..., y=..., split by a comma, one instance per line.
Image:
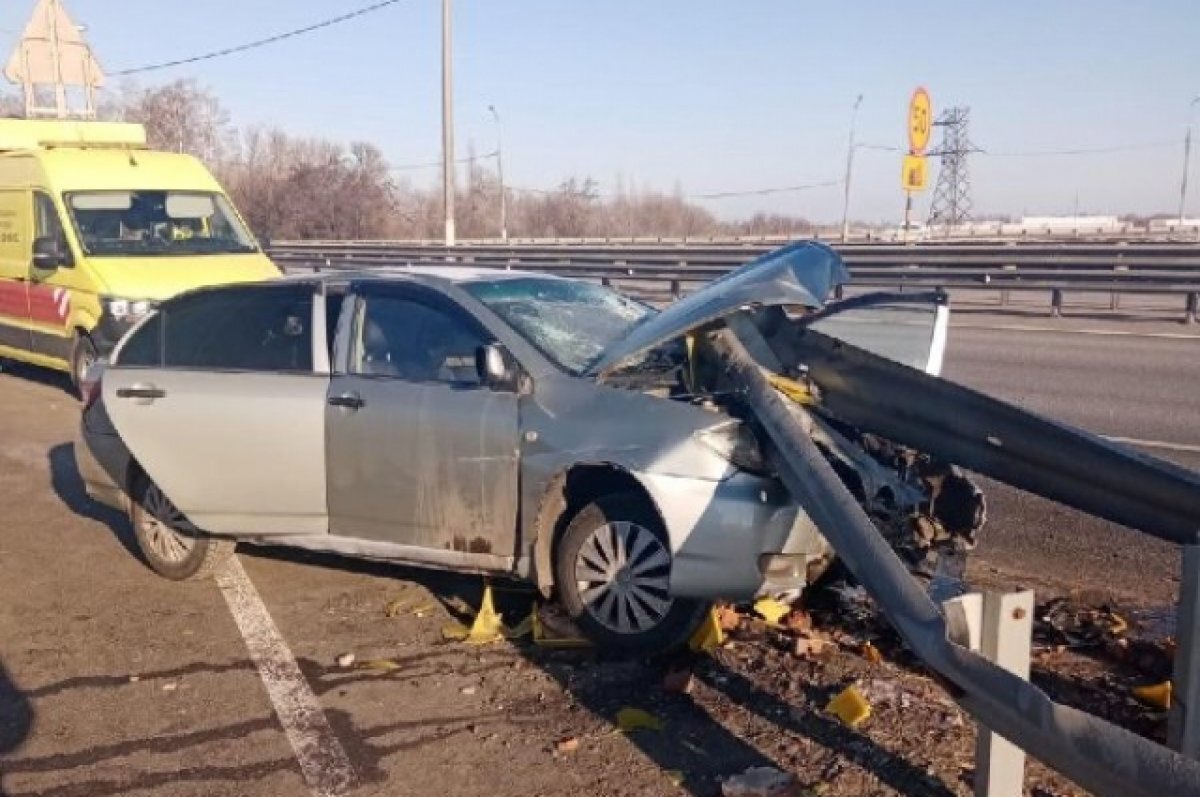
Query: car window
x=411, y=340
x=47, y=221
x=143, y=347
x=230, y=330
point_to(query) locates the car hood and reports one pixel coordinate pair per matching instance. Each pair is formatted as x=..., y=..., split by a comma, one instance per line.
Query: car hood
x=162, y=277
x=802, y=274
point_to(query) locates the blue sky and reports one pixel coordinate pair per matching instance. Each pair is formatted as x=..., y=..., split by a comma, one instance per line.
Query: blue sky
x=710, y=95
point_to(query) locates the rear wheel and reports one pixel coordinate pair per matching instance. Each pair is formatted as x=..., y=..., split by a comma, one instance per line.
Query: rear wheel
x=83, y=355
x=172, y=546
x=613, y=572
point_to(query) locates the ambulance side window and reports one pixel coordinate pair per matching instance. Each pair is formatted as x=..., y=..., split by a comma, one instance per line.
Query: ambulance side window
x=47, y=223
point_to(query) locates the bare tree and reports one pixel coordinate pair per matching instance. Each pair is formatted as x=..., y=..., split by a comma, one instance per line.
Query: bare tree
x=182, y=117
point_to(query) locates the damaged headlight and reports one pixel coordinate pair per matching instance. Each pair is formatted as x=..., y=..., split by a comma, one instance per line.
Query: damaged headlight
x=735, y=443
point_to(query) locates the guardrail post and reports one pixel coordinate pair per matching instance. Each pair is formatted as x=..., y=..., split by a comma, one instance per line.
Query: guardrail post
x=1193, y=305
x=1006, y=639
x=1183, y=725
x=676, y=291
x=1056, y=302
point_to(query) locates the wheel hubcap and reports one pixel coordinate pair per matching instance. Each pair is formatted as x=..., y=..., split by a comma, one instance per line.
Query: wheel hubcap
x=623, y=572
x=164, y=527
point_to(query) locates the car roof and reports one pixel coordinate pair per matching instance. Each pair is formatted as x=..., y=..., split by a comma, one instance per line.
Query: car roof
x=457, y=275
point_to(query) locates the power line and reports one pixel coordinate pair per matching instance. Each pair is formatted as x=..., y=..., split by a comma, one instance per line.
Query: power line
x=240, y=48
x=1098, y=150
x=766, y=191
x=438, y=164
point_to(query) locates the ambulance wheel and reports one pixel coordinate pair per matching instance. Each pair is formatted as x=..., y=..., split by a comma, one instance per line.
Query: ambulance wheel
x=83, y=354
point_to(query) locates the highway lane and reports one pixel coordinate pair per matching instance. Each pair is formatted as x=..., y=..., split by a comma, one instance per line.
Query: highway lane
x=1130, y=386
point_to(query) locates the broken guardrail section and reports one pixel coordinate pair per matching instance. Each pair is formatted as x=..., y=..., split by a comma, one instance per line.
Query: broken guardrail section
x=991, y=437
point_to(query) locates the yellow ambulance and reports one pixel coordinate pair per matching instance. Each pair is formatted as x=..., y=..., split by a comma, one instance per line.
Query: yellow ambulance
x=95, y=228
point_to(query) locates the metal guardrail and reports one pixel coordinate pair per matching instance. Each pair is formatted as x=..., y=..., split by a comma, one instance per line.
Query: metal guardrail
x=671, y=269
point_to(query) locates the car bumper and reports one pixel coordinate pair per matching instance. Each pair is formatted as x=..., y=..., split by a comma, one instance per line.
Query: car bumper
x=736, y=538
x=99, y=483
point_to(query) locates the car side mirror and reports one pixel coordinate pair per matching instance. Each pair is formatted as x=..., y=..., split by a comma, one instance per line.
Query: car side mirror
x=48, y=254
x=495, y=367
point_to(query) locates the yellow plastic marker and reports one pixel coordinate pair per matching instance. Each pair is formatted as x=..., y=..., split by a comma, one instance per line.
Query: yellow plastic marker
x=635, y=719
x=850, y=707
x=709, y=636
x=771, y=610
x=1155, y=695
x=487, y=628
x=796, y=391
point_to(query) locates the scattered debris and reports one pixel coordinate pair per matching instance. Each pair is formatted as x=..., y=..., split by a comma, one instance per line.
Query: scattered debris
x=395, y=607
x=552, y=628
x=378, y=665
x=346, y=660
x=170, y=686
x=679, y=681
x=871, y=653
x=727, y=617
x=635, y=719
x=133, y=679
x=771, y=610
x=711, y=633
x=1063, y=621
x=798, y=621
x=568, y=745
x=467, y=690
x=850, y=706
x=1155, y=695
x=675, y=776
x=760, y=782
x=810, y=647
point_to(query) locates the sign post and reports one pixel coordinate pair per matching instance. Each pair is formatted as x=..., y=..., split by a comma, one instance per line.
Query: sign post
x=914, y=176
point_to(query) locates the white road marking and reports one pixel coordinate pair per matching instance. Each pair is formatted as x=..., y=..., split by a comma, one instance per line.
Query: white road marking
x=323, y=761
x=1114, y=333
x=1186, y=448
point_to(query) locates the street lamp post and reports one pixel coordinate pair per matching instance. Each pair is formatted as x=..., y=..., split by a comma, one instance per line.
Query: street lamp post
x=448, y=120
x=500, y=174
x=1187, y=155
x=849, y=171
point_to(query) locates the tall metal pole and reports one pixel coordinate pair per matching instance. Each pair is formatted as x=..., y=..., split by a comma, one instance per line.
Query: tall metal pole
x=849, y=171
x=500, y=174
x=1187, y=155
x=448, y=119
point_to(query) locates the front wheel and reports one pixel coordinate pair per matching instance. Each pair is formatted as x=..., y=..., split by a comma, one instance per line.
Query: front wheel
x=172, y=546
x=613, y=572
x=83, y=355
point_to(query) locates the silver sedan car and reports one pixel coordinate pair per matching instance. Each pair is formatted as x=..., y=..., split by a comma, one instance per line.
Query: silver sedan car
x=484, y=421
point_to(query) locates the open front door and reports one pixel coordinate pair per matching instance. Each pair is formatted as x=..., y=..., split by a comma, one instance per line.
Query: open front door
x=909, y=329
x=218, y=402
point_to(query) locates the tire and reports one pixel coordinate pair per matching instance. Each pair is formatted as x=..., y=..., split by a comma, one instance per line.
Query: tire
x=171, y=545
x=83, y=354
x=622, y=607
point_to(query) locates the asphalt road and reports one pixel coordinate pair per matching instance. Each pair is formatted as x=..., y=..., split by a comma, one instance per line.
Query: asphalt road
x=114, y=681
x=1141, y=387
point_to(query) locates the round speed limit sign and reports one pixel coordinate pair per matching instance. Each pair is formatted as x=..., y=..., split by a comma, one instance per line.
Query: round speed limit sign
x=920, y=121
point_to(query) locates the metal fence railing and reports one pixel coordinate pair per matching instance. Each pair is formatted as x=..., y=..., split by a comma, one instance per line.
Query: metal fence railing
x=665, y=270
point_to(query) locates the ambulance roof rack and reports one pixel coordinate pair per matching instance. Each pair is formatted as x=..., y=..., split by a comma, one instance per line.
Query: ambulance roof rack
x=26, y=134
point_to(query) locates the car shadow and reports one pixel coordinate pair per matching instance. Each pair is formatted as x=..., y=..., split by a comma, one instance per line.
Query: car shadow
x=38, y=376
x=16, y=720
x=68, y=486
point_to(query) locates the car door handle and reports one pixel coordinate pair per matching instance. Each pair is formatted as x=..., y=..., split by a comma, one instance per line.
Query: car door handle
x=347, y=401
x=141, y=392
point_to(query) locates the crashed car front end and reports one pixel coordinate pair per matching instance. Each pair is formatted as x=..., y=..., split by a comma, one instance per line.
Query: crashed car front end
x=924, y=506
